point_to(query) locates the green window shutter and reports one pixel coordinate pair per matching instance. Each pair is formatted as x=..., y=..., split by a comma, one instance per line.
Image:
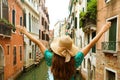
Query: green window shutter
x=112, y=30
x=112, y=34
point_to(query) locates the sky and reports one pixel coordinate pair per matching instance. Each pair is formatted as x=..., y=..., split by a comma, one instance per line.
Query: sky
x=57, y=10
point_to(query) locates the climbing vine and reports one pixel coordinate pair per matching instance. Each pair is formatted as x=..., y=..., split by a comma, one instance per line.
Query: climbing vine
x=90, y=15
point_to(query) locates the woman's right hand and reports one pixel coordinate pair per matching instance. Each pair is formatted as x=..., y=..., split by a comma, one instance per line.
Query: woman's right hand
x=21, y=29
x=106, y=27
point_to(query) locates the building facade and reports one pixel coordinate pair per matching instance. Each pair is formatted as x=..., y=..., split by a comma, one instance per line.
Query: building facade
x=108, y=54
x=44, y=23
x=11, y=41
x=57, y=28
x=89, y=28
x=82, y=35
x=74, y=17
x=31, y=22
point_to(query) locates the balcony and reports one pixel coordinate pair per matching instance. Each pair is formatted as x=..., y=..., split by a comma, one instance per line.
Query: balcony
x=5, y=30
x=110, y=47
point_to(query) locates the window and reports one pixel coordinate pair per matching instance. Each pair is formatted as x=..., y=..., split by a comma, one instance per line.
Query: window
x=33, y=50
x=110, y=74
x=112, y=30
x=83, y=9
x=88, y=38
x=29, y=42
x=45, y=25
x=29, y=22
x=20, y=53
x=5, y=2
x=24, y=19
x=112, y=34
x=39, y=33
x=73, y=16
x=80, y=42
x=48, y=27
x=4, y=9
x=13, y=17
x=110, y=44
x=8, y=49
x=84, y=64
x=42, y=21
x=43, y=35
x=14, y=56
x=30, y=55
x=47, y=37
x=21, y=21
x=94, y=47
x=75, y=22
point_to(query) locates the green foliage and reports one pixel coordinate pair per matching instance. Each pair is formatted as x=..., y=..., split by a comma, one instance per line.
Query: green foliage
x=82, y=18
x=90, y=15
x=7, y=24
x=92, y=9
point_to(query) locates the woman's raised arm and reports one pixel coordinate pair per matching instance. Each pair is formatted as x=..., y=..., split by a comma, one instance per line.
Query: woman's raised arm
x=86, y=49
x=36, y=41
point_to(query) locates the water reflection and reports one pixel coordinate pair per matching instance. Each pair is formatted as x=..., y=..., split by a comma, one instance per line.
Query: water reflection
x=37, y=73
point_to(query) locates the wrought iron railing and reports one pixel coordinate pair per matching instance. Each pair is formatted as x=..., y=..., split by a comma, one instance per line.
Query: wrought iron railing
x=5, y=30
x=110, y=46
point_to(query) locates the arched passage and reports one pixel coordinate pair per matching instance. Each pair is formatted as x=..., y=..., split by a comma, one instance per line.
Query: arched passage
x=1, y=63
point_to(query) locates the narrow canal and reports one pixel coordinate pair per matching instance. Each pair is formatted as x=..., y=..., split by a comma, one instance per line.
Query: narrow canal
x=39, y=72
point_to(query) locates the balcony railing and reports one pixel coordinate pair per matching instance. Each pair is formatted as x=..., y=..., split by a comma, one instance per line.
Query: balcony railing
x=110, y=47
x=5, y=30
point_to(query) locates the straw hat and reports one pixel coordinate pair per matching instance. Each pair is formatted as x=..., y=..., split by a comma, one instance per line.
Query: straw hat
x=63, y=46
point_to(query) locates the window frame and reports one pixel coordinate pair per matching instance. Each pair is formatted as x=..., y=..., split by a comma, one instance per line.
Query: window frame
x=109, y=69
x=107, y=32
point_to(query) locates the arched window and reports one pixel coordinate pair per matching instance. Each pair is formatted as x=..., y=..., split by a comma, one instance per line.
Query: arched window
x=13, y=17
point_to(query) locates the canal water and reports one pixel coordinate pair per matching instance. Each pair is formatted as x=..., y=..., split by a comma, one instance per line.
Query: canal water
x=39, y=72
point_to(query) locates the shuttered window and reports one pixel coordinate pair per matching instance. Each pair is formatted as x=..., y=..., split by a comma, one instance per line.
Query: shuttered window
x=13, y=17
x=112, y=34
x=14, y=56
x=94, y=47
x=75, y=22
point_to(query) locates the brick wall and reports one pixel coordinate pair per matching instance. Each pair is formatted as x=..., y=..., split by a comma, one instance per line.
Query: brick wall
x=10, y=70
x=103, y=60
